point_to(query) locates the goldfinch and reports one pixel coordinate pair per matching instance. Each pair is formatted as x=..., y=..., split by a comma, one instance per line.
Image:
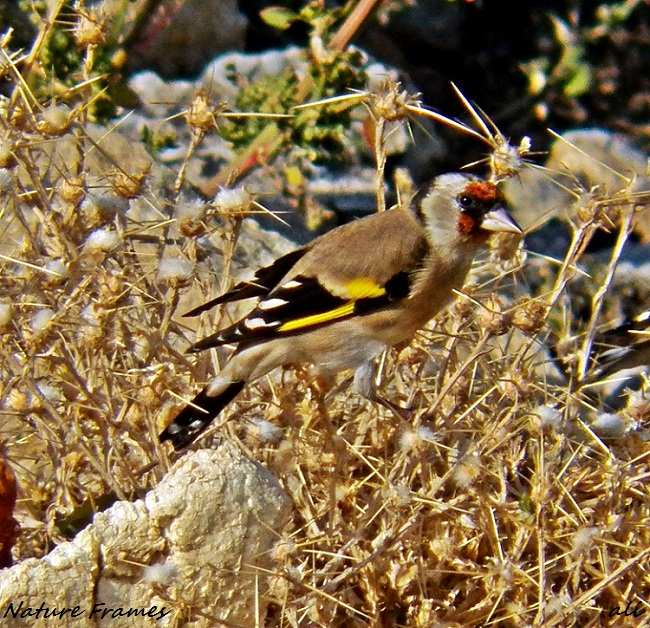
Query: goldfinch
x=351, y=293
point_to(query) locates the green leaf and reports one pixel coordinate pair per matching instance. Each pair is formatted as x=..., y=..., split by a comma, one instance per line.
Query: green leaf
x=279, y=17
x=580, y=82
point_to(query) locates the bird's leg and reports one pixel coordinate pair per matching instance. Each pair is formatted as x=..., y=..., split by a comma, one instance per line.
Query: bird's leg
x=366, y=385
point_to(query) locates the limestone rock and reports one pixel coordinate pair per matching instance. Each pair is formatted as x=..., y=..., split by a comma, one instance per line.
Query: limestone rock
x=193, y=542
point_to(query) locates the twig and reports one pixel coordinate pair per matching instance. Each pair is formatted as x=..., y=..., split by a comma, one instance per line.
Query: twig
x=597, y=300
x=352, y=24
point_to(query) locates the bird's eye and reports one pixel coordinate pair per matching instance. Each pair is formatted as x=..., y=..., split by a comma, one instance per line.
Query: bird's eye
x=466, y=202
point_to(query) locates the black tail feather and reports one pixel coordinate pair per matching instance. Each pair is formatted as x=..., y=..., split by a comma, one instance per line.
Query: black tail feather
x=191, y=421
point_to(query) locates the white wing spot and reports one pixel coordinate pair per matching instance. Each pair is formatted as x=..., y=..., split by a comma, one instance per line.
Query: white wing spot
x=270, y=304
x=196, y=424
x=174, y=428
x=290, y=285
x=643, y=317
x=256, y=323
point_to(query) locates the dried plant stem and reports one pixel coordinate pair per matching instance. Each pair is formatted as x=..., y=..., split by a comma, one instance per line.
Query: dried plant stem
x=478, y=351
x=597, y=301
x=380, y=159
x=540, y=527
x=352, y=24
x=195, y=140
x=41, y=38
x=598, y=587
x=387, y=541
x=579, y=241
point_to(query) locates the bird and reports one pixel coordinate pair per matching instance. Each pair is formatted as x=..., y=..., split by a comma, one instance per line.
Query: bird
x=625, y=346
x=341, y=300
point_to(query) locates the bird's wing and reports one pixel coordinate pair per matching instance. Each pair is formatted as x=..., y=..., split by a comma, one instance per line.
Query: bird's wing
x=262, y=283
x=626, y=346
x=353, y=270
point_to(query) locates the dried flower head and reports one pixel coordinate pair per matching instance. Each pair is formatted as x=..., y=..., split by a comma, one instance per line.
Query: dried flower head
x=174, y=270
x=233, y=200
x=492, y=316
x=201, y=115
x=7, y=157
x=129, y=185
x=391, y=102
x=609, y=425
x=530, y=316
x=55, y=120
x=189, y=214
x=72, y=190
x=89, y=29
x=101, y=240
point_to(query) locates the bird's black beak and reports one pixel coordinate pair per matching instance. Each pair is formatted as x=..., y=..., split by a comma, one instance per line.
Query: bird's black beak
x=499, y=220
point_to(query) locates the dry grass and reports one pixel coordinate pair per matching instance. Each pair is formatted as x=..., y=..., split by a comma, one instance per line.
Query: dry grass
x=496, y=504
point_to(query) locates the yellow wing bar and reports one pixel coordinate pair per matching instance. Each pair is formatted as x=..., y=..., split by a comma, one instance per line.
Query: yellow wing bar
x=360, y=288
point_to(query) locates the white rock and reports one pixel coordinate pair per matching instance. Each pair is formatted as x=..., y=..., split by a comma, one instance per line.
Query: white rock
x=212, y=519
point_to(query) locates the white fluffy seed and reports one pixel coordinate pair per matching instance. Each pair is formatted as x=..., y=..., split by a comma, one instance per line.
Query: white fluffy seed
x=426, y=434
x=89, y=314
x=57, y=266
x=55, y=119
x=174, y=270
x=190, y=209
x=408, y=439
x=549, y=416
x=232, y=200
x=467, y=471
x=40, y=320
x=267, y=431
x=583, y=538
x=609, y=425
x=5, y=314
x=102, y=240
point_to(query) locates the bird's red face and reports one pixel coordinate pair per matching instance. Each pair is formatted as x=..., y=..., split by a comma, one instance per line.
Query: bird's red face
x=481, y=211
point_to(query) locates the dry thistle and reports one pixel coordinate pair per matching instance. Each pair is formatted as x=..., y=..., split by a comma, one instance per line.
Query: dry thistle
x=202, y=115
x=7, y=156
x=55, y=120
x=530, y=315
x=189, y=213
x=505, y=247
x=492, y=317
x=466, y=471
x=175, y=271
x=505, y=160
x=129, y=185
x=549, y=417
x=6, y=312
x=99, y=209
x=101, y=241
x=390, y=102
x=233, y=201
x=90, y=29
x=72, y=190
